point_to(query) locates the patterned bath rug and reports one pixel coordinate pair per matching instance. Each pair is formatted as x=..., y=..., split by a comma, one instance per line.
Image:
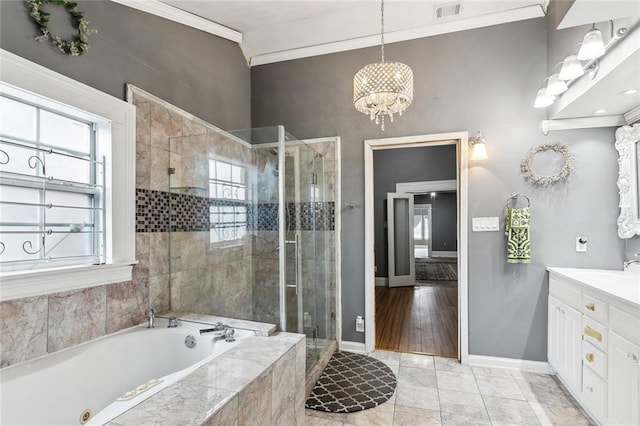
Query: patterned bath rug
x=432, y=271
x=352, y=382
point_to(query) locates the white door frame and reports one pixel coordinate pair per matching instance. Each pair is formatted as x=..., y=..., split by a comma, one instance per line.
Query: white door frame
x=460, y=139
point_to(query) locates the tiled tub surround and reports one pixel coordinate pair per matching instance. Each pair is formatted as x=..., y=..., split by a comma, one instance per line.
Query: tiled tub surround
x=93, y=375
x=36, y=326
x=251, y=372
x=260, y=381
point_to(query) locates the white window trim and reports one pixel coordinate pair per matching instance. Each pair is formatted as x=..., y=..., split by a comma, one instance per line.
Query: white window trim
x=120, y=253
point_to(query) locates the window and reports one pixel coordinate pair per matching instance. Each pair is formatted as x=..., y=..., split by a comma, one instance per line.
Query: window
x=51, y=187
x=228, y=205
x=102, y=199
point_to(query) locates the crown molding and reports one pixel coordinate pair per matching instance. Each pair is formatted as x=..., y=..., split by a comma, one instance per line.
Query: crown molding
x=632, y=116
x=583, y=123
x=171, y=13
x=520, y=14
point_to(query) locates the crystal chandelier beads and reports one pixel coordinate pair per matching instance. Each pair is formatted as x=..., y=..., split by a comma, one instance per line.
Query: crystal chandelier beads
x=383, y=88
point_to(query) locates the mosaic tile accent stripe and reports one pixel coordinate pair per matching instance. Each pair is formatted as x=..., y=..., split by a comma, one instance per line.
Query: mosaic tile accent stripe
x=191, y=213
x=152, y=211
x=188, y=212
x=300, y=216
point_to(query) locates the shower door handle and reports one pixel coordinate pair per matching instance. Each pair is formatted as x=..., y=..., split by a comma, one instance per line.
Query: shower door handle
x=296, y=249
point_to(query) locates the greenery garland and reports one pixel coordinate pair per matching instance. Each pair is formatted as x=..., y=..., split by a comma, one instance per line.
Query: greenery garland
x=75, y=47
x=549, y=180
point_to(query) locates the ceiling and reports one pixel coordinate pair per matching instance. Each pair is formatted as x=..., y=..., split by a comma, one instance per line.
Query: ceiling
x=277, y=30
x=272, y=31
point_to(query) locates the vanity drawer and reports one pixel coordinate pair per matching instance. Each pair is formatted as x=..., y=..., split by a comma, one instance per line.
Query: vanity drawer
x=594, y=333
x=595, y=359
x=594, y=394
x=563, y=292
x=594, y=307
x=625, y=324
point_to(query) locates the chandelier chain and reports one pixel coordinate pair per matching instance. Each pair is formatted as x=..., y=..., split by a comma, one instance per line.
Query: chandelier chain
x=382, y=29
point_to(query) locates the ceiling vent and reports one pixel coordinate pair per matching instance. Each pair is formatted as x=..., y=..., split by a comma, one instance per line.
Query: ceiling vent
x=446, y=10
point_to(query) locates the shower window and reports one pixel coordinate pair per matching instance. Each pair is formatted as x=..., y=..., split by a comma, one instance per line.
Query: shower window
x=228, y=201
x=52, y=189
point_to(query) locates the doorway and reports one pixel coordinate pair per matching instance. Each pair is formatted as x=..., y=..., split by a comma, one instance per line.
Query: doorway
x=458, y=301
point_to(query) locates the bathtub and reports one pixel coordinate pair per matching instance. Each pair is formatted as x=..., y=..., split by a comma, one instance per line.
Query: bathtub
x=94, y=382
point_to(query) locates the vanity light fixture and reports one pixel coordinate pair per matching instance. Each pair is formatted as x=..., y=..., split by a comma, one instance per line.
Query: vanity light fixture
x=556, y=86
x=630, y=92
x=571, y=68
x=478, y=147
x=600, y=111
x=592, y=45
x=543, y=98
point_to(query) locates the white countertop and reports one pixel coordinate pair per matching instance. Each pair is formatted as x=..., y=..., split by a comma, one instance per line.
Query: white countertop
x=624, y=285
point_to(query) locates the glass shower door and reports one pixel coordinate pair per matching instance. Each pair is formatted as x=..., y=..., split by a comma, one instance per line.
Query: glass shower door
x=304, y=296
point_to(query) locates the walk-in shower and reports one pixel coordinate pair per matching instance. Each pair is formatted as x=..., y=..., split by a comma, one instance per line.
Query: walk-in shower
x=252, y=230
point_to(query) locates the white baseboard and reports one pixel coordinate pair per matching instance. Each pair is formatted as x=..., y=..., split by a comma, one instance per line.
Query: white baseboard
x=352, y=347
x=516, y=364
x=382, y=282
x=444, y=254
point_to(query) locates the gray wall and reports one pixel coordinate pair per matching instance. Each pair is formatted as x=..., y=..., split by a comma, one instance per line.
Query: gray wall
x=444, y=212
x=482, y=79
x=194, y=70
x=404, y=165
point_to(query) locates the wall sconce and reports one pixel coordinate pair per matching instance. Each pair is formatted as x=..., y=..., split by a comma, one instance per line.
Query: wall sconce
x=478, y=147
x=556, y=86
x=592, y=45
x=571, y=68
x=543, y=98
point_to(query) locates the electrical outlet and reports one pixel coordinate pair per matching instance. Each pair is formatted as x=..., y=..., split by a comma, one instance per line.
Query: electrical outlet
x=581, y=244
x=360, y=324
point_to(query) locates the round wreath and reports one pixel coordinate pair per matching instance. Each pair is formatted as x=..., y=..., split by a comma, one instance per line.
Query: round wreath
x=75, y=47
x=549, y=180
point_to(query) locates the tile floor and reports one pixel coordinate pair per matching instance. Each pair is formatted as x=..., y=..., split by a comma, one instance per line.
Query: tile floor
x=440, y=391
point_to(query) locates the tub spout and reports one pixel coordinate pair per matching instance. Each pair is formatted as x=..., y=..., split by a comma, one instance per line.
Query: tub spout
x=220, y=330
x=216, y=328
x=151, y=316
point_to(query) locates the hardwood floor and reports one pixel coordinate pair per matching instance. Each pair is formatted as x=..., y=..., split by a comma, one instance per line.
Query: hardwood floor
x=422, y=319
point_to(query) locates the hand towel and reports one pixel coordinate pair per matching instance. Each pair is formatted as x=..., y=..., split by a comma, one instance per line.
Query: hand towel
x=518, y=238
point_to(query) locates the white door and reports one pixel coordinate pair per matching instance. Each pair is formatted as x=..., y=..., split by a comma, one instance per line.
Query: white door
x=402, y=268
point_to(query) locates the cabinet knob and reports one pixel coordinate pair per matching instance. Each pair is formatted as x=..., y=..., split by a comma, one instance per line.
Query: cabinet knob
x=589, y=388
x=590, y=306
x=590, y=357
x=633, y=357
x=588, y=331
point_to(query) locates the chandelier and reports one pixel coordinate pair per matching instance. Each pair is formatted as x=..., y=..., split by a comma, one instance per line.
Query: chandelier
x=383, y=88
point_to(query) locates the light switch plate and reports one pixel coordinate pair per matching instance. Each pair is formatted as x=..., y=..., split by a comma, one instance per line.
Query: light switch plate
x=485, y=224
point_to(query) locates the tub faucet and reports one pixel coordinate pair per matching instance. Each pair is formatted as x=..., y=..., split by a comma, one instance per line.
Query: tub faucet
x=151, y=316
x=220, y=330
x=626, y=263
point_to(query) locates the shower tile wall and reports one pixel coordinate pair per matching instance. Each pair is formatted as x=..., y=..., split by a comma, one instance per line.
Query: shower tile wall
x=207, y=278
x=184, y=271
x=265, y=230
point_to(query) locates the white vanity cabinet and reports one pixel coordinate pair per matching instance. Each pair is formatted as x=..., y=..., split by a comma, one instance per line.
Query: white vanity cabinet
x=594, y=340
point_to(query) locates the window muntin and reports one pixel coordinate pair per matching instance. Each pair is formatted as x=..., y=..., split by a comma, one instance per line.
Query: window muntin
x=52, y=188
x=228, y=201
